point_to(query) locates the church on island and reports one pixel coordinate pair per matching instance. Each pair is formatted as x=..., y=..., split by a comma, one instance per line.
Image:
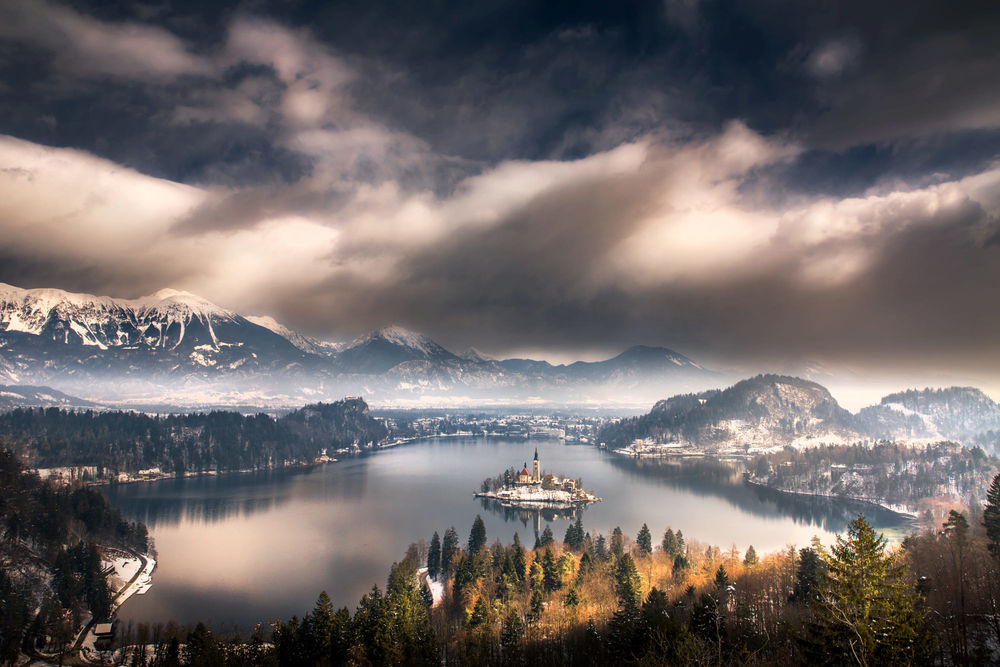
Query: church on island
x=532, y=488
x=533, y=477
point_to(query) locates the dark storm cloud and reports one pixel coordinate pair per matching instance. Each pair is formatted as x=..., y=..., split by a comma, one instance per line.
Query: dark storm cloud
x=529, y=282
x=745, y=180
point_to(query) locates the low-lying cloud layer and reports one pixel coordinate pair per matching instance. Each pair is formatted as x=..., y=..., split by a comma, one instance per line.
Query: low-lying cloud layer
x=645, y=226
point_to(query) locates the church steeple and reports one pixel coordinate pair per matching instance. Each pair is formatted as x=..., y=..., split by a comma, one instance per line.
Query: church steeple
x=536, y=468
x=536, y=453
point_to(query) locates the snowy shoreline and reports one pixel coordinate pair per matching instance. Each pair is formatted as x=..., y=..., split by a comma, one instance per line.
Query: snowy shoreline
x=895, y=509
x=524, y=496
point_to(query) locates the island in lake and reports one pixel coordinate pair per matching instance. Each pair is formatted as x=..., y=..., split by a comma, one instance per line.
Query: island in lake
x=531, y=489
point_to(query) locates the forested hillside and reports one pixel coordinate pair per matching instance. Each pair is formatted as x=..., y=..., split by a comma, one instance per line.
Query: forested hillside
x=50, y=567
x=765, y=410
x=884, y=473
x=772, y=411
x=127, y=442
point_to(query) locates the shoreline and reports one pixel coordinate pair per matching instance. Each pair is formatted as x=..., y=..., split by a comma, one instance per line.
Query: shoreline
x=905, y=514
x=55, y=474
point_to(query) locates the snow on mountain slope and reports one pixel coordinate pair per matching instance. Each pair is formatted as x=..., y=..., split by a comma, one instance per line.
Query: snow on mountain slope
x=382, y=350
x=304, y=343
x=174, y=341
x=404, y=338
x=159, y=320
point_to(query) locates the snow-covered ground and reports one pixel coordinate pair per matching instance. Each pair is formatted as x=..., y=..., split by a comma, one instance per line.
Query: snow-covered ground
x=132, y=576
x=534, y=493
x=437, y=587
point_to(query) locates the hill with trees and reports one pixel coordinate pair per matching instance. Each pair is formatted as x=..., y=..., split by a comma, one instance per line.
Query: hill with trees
x=768, y=412
x=104, y=444
x=50, y=563
x=891, y=474
x=764, y=411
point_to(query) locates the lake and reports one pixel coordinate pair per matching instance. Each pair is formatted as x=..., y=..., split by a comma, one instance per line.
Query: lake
x=237, y=549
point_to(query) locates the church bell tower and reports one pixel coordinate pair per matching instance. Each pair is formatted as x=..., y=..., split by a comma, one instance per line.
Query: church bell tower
x=536, y=468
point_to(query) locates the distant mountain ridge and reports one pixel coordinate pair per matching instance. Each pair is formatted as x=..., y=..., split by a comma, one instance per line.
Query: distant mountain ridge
x=175, y=344
x=773, y=411
x=19, y=396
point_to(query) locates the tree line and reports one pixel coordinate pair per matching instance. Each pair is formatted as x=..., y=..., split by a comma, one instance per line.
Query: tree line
x=115, y=442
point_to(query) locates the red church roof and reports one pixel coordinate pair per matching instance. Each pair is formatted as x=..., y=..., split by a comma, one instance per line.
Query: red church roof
x=524, y=471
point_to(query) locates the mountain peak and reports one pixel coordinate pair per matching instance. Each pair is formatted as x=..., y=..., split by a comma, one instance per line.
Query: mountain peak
x=403, y=337
x=473, y=354
x=186, y=301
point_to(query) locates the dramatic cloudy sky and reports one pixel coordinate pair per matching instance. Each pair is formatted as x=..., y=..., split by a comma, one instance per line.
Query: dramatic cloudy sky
x=758, y=181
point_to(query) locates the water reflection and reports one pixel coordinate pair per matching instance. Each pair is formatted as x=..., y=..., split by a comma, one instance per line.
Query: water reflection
x=724, y=479
x=241, y=548
x=530, y=517
x=220, y=498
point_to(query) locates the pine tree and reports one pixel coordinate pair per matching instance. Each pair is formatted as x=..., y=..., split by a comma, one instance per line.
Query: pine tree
x=617, y=542
x=991, y=517
x=321, y=625
x=510, y=635
x=449, y=547
x=628, y=585
x=601, y=548
x=477, y=537
x=537, y=603
x=645, y=540
x=202, y=649
x=341, y=636
x=721, y=578
x=551, y=578
x=864, y=611
x=750, y=559
x=480, y=613
x=545, y=539
x=811, y=570
x=574, y=535
x=572, y=598
x=519, y=559
x=434, y=556
x=669, y=543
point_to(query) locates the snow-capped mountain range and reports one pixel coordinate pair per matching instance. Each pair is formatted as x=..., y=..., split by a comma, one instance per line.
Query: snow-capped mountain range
x=175, y=345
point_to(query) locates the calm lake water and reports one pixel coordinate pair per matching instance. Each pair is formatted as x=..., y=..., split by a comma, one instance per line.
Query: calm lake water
x=240, y=549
